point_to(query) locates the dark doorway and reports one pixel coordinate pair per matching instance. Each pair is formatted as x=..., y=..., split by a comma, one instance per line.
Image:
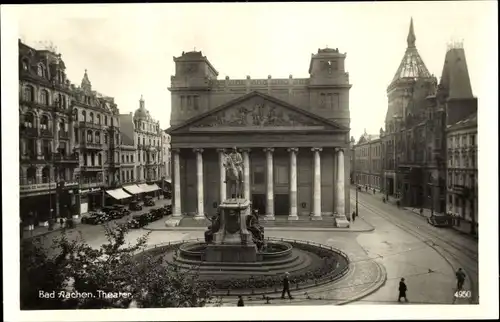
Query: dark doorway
x=259, y=203
x=281, y=205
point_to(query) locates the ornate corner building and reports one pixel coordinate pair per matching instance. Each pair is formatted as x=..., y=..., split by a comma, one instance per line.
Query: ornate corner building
x=46, y=156
x=293, y=135
x=69, y=138
x=413, y=142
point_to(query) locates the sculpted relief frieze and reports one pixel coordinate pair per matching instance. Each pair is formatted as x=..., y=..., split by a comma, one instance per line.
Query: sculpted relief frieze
x=257, y=114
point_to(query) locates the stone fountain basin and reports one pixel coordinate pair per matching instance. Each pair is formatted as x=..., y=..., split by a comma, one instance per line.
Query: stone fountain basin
x=275, y=250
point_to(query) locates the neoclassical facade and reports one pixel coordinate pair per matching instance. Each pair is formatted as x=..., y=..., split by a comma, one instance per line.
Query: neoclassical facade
x=293, y=135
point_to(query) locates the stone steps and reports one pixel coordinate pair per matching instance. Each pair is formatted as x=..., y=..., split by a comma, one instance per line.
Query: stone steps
x=300, y=261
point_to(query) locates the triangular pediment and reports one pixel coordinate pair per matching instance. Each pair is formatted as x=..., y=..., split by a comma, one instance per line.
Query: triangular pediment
x=256, y=112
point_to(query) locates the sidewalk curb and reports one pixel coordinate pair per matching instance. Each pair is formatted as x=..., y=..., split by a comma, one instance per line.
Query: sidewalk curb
x=268, y=229
x=379, y=282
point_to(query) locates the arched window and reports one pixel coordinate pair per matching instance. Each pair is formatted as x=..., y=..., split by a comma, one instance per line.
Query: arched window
x=44, y=122
x=62, y=126
x=97, y=137
x=28, y=94
x=89, y=136
x=84, y=115
x=143, y=141
x=99, y=158
x=25, y=64
x=98, y=118
x=106, y=120
x=44, y=97
x=59, y=101
x=46, y=175
x=91, y=117
x=29, y=120
x=41, y=70
x=31, y=175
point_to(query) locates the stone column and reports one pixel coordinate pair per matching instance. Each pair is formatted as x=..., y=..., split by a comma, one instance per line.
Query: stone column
x=176, y=211
x=199, y=184
x=270, y=184
x=340, y=182
x=39, y=149
x=55, y=126
x=71, y=133
x=222, y=170
x=293, y=183
x=246, y=174
x=317, y=184
x=23, y=146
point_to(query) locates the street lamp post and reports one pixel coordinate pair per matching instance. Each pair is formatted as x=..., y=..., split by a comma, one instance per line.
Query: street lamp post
x=357, y=196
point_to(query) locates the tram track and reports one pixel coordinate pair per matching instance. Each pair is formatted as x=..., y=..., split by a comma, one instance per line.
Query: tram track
x=462, y=255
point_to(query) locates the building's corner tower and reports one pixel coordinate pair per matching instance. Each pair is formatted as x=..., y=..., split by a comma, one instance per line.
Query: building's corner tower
x=329, y=86
x=190, y=86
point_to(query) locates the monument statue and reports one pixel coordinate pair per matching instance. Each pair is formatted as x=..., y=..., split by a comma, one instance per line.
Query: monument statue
x=212, y=228
x=234, y=172
x=257, y=231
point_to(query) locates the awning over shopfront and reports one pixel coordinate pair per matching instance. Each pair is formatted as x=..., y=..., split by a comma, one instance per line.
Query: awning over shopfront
x=133, y=189
x=118, y=194
x=149, y=187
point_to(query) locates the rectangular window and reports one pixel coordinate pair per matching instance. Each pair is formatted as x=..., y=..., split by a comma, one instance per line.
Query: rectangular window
x=132, y=158
x=281, y=175
x=259, y=175
x=196, y=102
x=472, y=140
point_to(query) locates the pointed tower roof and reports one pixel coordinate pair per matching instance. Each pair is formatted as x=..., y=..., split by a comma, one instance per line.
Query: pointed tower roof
x=412, y=65
x=86, y=85
x=455, y=76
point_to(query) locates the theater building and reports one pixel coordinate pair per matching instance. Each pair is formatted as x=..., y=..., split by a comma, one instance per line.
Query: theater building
x=293, y=135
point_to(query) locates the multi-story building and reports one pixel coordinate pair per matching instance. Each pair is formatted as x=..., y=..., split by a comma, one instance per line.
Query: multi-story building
x=128, y=149
x=413, y=141
x=165, y=157
x=352, y=160
x=47, y=159
x=293, y=135
x=97, y=139
x=455, y=94
x=368, y=161
x=148, y=136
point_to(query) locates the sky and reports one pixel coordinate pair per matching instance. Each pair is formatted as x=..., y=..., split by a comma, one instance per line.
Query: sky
x=128, y=49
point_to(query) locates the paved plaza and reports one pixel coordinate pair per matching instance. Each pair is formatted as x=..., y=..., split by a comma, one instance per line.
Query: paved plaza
x=380, y=254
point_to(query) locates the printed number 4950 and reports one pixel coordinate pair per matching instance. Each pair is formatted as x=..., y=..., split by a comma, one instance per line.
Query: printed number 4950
x=463, y=294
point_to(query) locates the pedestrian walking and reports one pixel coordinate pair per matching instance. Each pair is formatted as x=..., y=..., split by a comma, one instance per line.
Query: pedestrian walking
x=61, y=222
x=402, y=290
x=353, y=216
x=286, y=287
x=460, y=279
x=240, y=301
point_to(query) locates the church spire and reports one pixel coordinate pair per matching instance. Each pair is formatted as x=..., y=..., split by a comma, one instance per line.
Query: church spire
x=411, y=36
x=141, y=102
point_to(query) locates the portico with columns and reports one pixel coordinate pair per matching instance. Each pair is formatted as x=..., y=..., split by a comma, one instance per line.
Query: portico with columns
x=294, y=165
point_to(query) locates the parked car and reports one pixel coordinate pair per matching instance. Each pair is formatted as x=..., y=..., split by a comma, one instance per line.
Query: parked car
x=138, y=221
x=122, y=210
x=95, y=218
x=168, y=209
x=135, y=205
x=149, y=201
x=157, y=213
x=440, y=220
x=111, y=212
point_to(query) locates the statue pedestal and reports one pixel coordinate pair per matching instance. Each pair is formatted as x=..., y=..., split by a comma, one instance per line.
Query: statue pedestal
x=233, y=242
x=231, y=253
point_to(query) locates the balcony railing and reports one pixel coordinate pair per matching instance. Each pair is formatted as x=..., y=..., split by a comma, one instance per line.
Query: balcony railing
x=91, y=184
x=63, y=134
x=91, y=145
x=63, y=158
x=28, y=131
x=90, y=125
x=46, y=133
x=91, y=167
